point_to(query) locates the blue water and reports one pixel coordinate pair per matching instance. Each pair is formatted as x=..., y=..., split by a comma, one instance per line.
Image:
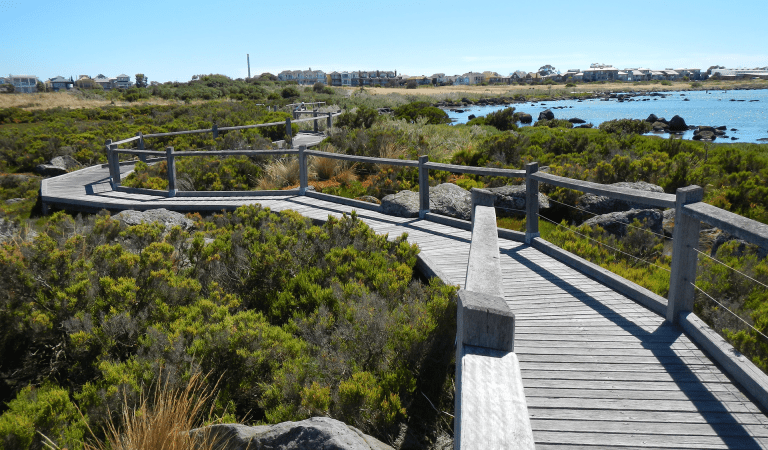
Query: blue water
x=713, y=108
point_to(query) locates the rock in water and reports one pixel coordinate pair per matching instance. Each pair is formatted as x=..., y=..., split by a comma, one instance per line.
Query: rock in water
x=677, y=124
x=402, y=204
x=546, y=115
x=314, y=433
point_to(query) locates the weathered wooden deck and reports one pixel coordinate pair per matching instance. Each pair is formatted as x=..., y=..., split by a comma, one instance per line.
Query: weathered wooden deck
x=600, y=371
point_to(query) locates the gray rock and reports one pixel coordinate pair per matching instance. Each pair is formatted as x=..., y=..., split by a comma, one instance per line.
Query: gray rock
x=546, y=115
x=652, y=118
x=660, y=126
x=616, y=223
x=48, y=170
x=314, y=433
x=448, y=199
x=168, y=218
x=576, y=120
x=526, y=118
x=598, y=204
x=677, y=123
x=510, y=200
x=65, y=161
x=402, y=204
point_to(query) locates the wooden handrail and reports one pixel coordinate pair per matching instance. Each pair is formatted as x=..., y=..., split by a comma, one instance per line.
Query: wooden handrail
x=368, y=159
x=488, y=171
x=632, y=195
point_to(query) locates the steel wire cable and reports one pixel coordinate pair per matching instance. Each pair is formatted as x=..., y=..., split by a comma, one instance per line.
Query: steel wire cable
x=732, y=268
x=733, y=313
x=604, y=244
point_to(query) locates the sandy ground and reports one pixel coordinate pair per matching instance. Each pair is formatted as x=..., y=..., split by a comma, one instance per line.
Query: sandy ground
x=47, y=100
x=506, y=90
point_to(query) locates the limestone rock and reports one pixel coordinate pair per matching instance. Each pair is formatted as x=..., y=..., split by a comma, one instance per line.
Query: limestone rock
x=448, y=199
x=598, y=204
x=65, y=161
x=168, y=218
x=314, y=433
x=616, y=223
x=402, y=204
x=510, y=200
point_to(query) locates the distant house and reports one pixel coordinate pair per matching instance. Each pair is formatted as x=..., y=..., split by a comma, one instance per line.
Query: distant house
x=672, y=74
x=518, y=76
x=438, y=78
x=59, y=83
x=23, y=83
x=492, y=77
x=85, y=82
x=470, y=78
x=303, y=77
x=601, y=72
x=103, y=81
x=122, y=81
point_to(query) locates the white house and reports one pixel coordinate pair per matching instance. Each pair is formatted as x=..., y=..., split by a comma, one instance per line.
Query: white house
x=23, y=83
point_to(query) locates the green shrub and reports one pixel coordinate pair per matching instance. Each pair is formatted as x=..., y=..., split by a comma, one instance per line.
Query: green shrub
x=626, y=126
x=46, y=410
x=290, y=92
x=503, y=119
x=413, y=111
x=362, y=117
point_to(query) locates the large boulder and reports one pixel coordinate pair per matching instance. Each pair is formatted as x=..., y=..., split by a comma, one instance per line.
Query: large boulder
x=652, y=118
x=314, y=433
x=598, y=204
x=526, y=118
x=448, y=199
x=57, y=166
x=546, y=115
x=510, y=200
x=402, y=204
x=677, y=123
x=576, y=120
x=169, y=219
x=616, y=223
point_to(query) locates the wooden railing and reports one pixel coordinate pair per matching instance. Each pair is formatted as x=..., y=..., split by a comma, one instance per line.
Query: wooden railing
x=687, y=202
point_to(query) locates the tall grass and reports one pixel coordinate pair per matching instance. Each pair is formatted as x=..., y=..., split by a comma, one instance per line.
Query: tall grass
x=162, y=420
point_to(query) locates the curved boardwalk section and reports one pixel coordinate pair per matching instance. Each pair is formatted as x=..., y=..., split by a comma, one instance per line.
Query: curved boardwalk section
x=599, y=370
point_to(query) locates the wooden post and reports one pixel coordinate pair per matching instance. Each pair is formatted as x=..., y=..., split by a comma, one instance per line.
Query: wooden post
x=142, y=158
x=685, y=240
x=303, y=179
x=531, y=203
x=314, y=114
x=215, y=131
x=481, y=197
x=288, y=131
x=171, y=169
x=330, y=121
x=423, y=186
x=110, y=166
x=116, y=164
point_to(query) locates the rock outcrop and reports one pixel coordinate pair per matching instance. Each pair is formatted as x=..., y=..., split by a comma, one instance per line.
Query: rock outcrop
x=314, y=433
x=448, y=199
x=616, y=222
x=677, y=123
x=57, y=166
x=510, y=200
x=598, y=204
x=402, y=204
x=169, y=219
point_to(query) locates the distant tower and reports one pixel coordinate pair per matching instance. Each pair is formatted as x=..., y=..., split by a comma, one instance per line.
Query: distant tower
x=248, y=57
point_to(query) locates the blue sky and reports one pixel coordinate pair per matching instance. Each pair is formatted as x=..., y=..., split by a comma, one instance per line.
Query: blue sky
x=170, y=40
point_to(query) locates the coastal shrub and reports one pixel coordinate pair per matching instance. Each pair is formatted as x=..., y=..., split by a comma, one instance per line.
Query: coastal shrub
x=626, y=126
x=554, y=123
x=412, y=111
x=292, y=318
x=362, y=117
x=290, y=92
x=503, y=119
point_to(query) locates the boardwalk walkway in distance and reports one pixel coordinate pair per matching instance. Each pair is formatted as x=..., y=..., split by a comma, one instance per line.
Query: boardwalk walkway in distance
x=599, y=370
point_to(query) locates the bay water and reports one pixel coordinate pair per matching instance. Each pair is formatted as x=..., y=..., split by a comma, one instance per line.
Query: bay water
x=743, y=112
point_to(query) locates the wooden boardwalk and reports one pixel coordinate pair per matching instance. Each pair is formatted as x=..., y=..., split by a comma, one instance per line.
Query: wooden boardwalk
x=600, y=371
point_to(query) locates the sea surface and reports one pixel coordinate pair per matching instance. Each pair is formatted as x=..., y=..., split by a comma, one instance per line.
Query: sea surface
x=744, y=113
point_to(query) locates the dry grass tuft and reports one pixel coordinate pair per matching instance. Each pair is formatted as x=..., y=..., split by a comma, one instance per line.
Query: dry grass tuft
x=162, y=420
x=283, y=172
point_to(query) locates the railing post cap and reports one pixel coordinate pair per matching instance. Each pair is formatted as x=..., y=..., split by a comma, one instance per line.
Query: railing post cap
x=532, y=167
x=690, y=194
